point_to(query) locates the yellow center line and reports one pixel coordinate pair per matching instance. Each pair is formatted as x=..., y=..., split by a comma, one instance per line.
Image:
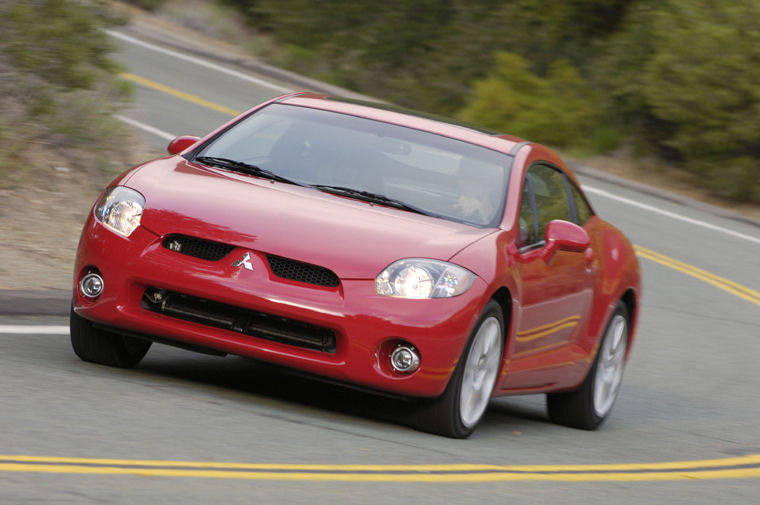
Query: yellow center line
x=722, y=283
x=179, y=94
x=725, y=468
x=751, y=459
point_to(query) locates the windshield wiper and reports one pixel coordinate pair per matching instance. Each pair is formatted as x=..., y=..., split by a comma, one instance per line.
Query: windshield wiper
x=368, y=196
x=244, y=167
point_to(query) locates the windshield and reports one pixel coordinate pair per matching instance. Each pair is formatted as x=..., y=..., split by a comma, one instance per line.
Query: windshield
x=436, y=175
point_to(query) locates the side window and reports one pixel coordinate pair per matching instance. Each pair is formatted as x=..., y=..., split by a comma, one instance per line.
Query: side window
x=544, y=199
x=526, y=222
x=582, y=208
x=550, y=195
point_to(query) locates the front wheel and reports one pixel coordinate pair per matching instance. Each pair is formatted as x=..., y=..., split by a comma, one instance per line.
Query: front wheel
x=459, y=410
x=103, y=347
x=588, y=406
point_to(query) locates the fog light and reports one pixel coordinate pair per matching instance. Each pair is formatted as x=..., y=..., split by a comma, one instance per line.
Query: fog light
x=91, y=285
x=404, y=359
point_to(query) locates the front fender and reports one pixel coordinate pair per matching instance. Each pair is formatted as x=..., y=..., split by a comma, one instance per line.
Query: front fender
x=618, y=278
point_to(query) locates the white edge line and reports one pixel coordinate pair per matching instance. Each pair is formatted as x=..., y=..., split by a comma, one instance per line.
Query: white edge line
x=29, y=330
x=145, y=128
x=669, y=214
x=197, y=61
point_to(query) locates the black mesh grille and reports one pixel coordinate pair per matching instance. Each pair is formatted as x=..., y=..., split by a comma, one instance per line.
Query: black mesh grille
x=197, y=248
x=302, y=272
x=240, y=320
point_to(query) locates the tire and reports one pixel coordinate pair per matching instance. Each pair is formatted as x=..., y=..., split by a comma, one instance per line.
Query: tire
x=588, y=406
x=458, y=411
x=103, y=347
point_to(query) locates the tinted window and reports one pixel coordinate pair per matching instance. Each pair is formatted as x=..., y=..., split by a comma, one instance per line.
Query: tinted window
x=526, y=223
x=582, y=208
x=550, y=197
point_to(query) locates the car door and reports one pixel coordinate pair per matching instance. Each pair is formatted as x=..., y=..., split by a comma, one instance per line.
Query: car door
x=555, y=293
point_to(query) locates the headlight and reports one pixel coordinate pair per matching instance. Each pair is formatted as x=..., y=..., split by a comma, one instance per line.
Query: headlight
x=120, y=209
x=423, y=278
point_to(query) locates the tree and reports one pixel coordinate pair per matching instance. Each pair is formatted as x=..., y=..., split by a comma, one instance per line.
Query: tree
x=684, y=74
x=558, y=109
x=704, y=78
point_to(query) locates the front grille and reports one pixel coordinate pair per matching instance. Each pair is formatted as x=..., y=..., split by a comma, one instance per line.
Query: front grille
x=197, y=247
x=249, y=322
x=302, y=272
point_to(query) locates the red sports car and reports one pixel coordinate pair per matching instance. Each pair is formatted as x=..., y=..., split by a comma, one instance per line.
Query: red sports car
x=367, y=245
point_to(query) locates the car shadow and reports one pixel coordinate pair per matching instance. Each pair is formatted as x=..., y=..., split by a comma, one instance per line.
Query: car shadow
x=517, y=409
x=249, y=377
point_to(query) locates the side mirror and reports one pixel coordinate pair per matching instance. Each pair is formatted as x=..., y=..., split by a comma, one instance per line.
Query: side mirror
x=564, y=236
x=179, y=144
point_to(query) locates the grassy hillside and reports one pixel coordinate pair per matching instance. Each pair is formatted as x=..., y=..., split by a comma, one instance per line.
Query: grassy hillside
x=59, y=141
x=58, y=91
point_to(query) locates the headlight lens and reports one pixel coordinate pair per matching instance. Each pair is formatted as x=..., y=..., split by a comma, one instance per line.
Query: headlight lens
x=423, y=278
x=120, y=209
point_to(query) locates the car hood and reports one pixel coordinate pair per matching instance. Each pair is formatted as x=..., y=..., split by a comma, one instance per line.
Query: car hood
x=354, y=239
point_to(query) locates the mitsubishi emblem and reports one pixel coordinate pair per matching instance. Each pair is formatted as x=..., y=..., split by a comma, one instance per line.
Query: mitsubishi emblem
x=245, y=262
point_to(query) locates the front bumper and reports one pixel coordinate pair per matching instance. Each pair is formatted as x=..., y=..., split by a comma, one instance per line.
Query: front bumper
x=364, y=324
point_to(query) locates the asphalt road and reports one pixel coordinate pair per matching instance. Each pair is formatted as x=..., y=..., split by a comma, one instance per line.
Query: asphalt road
x=690, y=392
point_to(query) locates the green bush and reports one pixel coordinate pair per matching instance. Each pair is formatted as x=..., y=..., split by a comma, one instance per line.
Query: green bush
x=605, y=139
x=685, y=76
x=57, y=40
x=705, y=79
x=59, y=88
x=558, y=109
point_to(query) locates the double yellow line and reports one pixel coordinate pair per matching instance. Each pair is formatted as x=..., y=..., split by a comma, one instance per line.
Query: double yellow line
x=727, y=285
x=726, y=468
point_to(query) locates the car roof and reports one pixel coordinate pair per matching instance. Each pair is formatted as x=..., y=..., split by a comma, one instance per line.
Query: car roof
x=387, y=113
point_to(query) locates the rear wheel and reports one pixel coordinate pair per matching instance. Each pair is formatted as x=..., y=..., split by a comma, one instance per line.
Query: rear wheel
x=104, y=347
x=459, y=410
x=588, y=406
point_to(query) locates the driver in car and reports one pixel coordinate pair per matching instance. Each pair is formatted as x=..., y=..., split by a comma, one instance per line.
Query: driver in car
x=479, y=193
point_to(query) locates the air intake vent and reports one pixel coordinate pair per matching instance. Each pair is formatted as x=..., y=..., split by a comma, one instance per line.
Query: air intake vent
x=240, y=320
x=302, y=272
x=197, y=248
